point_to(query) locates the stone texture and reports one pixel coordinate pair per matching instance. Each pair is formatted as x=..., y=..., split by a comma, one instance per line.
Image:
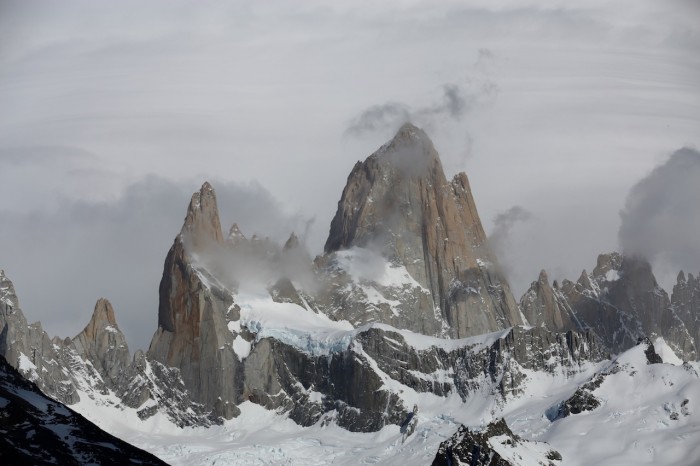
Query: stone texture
x=103, y=344
x=685, y=300
x=473, y=447
x=192, y=333
x=194, y=338
x=620, y=301
x=543, y=305
x=28, y=348
x=399, y=204
x=582, y=400
x=96, y=361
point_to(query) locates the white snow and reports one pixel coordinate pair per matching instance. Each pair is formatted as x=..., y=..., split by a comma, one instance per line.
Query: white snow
x=25, y=364
x=666, y=353
x=235, y=326
x=612, y=275
x=424, y=342
x=241, y=347
x=294, y=325
x=364, y=265
x=634, y=424
x=632, y=427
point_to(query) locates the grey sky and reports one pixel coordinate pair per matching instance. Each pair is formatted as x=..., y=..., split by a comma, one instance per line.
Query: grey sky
x=111, y=114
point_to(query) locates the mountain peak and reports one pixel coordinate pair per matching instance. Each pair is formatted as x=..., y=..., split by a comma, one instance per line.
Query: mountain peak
x=410, y=153
x=409, y=131
x=104, y=312
x=102, y=343
x=102, y=317
x=202, y=222
x=292, y=242
x=399, y=203
x=680, y=279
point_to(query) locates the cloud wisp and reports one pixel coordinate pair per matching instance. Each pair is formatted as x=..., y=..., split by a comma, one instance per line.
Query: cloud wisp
x=455, y=101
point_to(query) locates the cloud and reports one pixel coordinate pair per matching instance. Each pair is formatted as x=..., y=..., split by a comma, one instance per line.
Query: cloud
x=455, y=101
x=504, y=222
x=249, y=91
x=61, y=261
x=509, y=229
x=390, y=115
x=661, y=217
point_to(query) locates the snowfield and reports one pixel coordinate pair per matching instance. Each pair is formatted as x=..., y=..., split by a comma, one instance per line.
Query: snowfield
x=649, y=414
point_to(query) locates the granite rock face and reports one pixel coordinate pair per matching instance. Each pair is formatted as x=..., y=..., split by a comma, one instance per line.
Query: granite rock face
x=398, y=204
x=620, y=301
x=193, y=334
x=224, y=358
x=543, y=305
x=102, y=343
x=685, y=300
x=29, y=349
x=94, y=364
x=333, y=339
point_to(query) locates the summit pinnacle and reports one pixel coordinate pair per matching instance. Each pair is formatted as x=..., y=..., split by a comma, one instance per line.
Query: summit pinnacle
x=399, y=202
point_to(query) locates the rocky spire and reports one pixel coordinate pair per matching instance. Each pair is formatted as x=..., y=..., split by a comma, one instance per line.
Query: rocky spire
x=685, y=300
x=292, y=242
x=542, y=306
x=102, y=343
x=28, y=348
x=235, y=236
x=399, y=202
x=619, y=301
x=192, y=332
x=202, y=222
x=7, y=292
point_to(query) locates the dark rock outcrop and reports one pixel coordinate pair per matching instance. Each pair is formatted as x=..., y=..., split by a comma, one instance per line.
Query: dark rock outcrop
x=650, y=351
x=582, y=400
x=35, y=429
x=479, y=447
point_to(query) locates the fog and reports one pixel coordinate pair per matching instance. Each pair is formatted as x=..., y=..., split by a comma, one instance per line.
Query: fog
x=112, y=114
x=661, y=217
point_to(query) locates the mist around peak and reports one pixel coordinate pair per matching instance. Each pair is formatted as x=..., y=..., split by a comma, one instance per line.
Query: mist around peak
x=661, y=217
x=253, y=265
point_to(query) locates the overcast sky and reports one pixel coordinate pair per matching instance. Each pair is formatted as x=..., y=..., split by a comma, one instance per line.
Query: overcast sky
x=113, y=113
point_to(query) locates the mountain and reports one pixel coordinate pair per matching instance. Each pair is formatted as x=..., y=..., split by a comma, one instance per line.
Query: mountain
x=35, y=429
x=494, y=445
x=399, y=204
x=94, y=367
x=620, y=301
x=400, y=334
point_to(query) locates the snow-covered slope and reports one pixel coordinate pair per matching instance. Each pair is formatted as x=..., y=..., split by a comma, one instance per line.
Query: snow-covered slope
x=643, y=418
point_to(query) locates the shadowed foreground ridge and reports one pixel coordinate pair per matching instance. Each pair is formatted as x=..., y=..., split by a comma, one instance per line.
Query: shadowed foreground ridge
x=35, y=429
